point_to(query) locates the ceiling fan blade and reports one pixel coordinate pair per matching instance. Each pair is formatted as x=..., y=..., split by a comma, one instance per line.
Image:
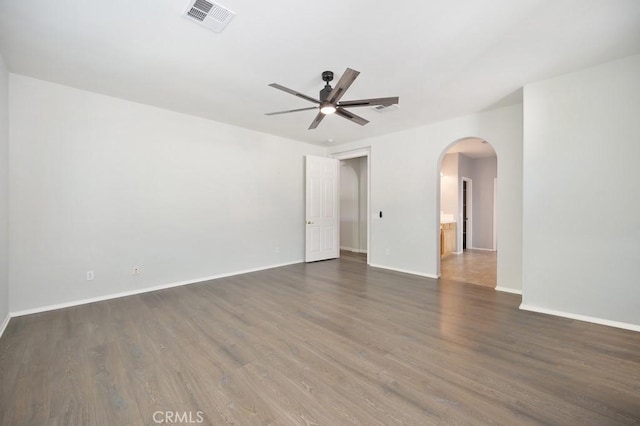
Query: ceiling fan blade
x=316, y=121
x=295, y=93
x=343, y=84
x=291, y=110
x=351, y=116
x=370, y=102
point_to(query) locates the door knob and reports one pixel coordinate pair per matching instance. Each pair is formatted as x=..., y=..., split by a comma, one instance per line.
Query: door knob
x=309, y=222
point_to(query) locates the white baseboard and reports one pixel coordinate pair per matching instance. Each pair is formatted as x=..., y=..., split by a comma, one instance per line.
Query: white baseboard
x=617, y=324
x=456, y=252
x=143, y=290
x=509, y=290
x=353, y=250
x=421, y=274
x=4, y=325
x=483, y=249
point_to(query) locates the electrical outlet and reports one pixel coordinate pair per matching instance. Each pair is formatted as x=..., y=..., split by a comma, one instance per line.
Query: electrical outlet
x=90, y=275
x=136, y=270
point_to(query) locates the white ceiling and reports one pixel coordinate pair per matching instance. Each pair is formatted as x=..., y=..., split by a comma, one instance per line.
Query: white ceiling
x=443, y=58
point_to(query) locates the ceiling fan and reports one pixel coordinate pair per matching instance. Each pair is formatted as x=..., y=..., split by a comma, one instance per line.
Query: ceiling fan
x=329, y=102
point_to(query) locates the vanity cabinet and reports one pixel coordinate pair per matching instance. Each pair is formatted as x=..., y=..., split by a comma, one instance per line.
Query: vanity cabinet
x=447, y=238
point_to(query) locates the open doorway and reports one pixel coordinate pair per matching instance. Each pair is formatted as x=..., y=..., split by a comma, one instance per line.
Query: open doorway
x=354, y=190
x=468, y=176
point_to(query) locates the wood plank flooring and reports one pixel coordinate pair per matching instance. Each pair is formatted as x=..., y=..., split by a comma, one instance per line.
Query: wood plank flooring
x=470, y=266
x=327, y=343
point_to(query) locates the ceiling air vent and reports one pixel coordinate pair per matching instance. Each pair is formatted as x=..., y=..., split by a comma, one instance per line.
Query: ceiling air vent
x=208, y=14
x=382, y=108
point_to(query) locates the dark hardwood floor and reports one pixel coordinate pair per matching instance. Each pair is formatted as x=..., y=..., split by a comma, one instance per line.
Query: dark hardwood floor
x=327, y=343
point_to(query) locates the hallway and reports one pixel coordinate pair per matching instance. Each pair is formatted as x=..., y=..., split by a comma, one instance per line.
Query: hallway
x=471, y=266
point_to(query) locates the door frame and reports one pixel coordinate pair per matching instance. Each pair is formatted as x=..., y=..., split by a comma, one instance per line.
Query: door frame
x=348, y=155
x=469, y=182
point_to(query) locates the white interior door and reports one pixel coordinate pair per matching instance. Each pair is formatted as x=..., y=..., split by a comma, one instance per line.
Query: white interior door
x=321, y=208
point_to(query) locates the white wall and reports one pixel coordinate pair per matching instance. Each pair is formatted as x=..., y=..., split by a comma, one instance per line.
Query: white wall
x=484, y=172
x=102, y=184
x=4, y=194
x=404, y=186
x=449, y=185
x=581, y=203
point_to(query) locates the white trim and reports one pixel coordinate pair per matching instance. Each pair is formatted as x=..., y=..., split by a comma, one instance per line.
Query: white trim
x=4, y=325
x=144, y=290
x=509, y=290
x=404, y=271
x=483, y=249
x=438, y=215
x=354, y=153
x=457, y=252
x=601, y=321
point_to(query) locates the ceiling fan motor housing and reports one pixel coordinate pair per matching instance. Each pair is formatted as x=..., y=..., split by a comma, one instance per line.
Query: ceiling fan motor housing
x=324, y=93
x=327, y=76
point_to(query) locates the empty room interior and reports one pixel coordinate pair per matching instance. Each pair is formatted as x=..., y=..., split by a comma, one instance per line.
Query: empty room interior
x=319, y=213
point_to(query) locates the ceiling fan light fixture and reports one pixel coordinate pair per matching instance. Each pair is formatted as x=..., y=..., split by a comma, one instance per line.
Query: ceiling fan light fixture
x=327, y=109
x=329, y=99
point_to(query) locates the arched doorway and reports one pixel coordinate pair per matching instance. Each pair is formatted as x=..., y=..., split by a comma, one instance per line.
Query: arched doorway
x=467, y=209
